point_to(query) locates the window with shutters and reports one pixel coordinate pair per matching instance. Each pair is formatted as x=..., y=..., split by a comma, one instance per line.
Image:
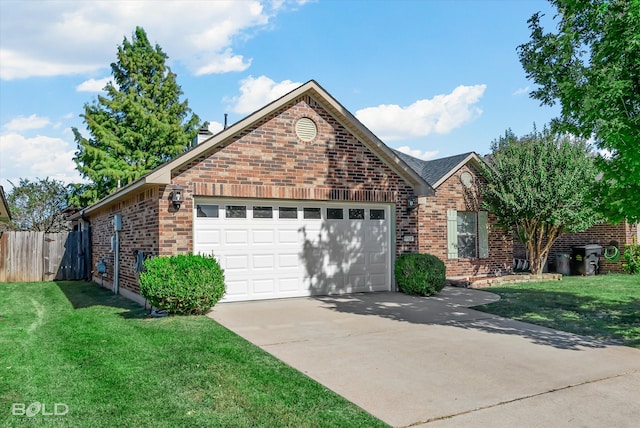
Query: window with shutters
x=467, y=234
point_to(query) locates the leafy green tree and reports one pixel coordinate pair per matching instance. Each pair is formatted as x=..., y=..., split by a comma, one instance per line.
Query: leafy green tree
x=591, y=66
x=139, y=124
x=538, y=187
x=38, y=205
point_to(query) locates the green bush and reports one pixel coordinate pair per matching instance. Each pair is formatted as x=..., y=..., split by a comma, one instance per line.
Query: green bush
x=632, y=259
x=182, y=284
x=421, y=274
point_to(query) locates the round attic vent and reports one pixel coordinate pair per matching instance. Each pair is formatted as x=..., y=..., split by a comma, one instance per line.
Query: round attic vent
x=466, y=179
x=306, y=129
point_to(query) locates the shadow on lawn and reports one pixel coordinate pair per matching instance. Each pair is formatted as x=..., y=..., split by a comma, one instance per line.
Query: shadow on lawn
x=444, y=309
x=611, y=320
x=83, y=294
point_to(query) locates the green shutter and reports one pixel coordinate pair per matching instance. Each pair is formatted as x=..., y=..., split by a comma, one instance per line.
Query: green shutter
x=452, y=234
x=483, y=234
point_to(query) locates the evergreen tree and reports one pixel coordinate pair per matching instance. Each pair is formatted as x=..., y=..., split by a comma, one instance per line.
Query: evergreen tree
x=139, y=124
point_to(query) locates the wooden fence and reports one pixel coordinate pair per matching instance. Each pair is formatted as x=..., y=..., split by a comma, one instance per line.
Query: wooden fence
x=39, y=256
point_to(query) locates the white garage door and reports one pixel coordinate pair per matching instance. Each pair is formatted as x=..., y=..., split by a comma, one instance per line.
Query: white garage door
x=291, y=248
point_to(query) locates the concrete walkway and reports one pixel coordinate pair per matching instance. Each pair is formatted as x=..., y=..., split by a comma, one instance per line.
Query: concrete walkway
x=434, y=362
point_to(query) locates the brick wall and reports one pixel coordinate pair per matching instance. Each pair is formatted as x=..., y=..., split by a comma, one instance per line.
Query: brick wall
x=267, y=160
x=433, y=229
x=264, y=161
x=139, y=232
x=602, y=234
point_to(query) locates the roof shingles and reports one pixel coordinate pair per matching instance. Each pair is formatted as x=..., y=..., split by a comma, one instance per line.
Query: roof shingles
x=433, y=170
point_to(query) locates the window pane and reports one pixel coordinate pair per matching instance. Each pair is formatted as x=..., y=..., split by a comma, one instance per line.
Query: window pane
x=287, y=212
x=467, y=223
x=203, y=210
x=356, y=214
x=335, y=213
x=262, y=212
x=376, y=214
x=236, y=211
x=312, y=213
x=467, y=235
x=467, y=246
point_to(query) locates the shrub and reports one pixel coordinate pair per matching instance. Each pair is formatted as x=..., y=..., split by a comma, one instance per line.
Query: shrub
x=421, y=274
x=182, y=284
x=632, y=259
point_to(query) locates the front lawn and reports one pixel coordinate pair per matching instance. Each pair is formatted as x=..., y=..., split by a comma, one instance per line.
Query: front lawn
x=602, y=306
x=113, y=366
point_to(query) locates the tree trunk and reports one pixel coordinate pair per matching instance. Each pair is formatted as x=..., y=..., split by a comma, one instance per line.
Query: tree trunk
x=540, y=237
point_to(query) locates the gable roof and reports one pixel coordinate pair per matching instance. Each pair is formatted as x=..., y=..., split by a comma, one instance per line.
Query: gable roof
x=162, y=174
x=437, y=171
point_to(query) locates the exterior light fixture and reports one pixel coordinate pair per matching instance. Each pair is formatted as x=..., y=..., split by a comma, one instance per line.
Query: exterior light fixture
x=176, y=197
x=412, y=202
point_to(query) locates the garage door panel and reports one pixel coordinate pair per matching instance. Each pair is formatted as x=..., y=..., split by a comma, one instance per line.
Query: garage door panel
x=263, y=286
x=235, y=262
x=288, y=236
x=236, y=236
x=297, y=256
x=290, y=284
x=289, y=260
x=332, y=284
x=263, y=236
x=237, y=288
x=378, y=281
x=358, y=282
x=358, y=259
x=209, y=236
x=263, y=261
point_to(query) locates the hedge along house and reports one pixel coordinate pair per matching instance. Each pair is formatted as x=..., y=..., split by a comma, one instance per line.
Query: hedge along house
x=452, y=224
x=297, y=199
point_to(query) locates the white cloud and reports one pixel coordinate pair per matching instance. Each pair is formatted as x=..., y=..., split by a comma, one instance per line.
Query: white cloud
x=418, y=153
x=22, y=123
x=15, y=65
x=257, y=92
x=521, y=91
x=63, y=38
x=440, y=114
x=215, y=127
x=93, y=85
x=37, y=157
x=223, y=63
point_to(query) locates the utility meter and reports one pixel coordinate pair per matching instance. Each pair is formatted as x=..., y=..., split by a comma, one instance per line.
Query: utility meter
x=101, y=268
x=117, y=222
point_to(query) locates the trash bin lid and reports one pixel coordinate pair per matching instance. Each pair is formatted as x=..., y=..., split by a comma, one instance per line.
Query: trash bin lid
x=588, y=247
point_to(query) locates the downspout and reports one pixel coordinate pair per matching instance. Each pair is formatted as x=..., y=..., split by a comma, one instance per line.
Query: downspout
x=116, y=263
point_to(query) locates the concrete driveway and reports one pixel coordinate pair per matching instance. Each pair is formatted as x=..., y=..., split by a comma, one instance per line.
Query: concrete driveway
x=434, y=362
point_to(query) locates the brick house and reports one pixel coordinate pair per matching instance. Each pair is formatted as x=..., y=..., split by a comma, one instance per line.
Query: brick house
x=298, y=198
x=452, y=224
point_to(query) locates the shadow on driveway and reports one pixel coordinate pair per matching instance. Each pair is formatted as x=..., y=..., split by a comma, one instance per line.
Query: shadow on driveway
x=451, y=308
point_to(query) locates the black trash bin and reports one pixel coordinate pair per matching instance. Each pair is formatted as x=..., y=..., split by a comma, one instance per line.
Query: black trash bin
x=585, y=259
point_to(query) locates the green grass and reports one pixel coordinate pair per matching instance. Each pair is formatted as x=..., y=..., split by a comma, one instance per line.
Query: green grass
x=603, y=306
x=77, y=344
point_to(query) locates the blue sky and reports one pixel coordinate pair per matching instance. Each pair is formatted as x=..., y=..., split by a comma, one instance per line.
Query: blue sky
x=432, y=78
